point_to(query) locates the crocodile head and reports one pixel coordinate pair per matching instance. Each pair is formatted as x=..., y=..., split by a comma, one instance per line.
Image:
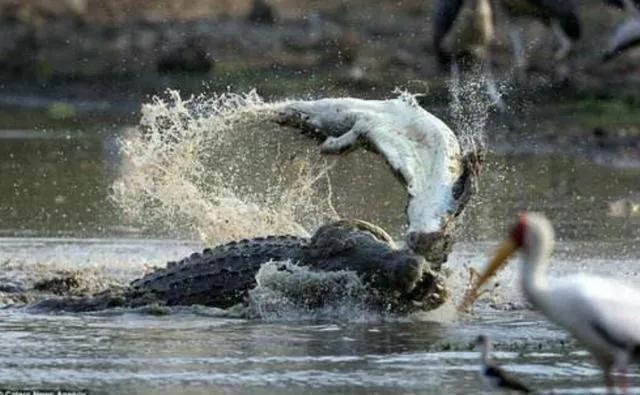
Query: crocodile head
x=435, y=247
x=412, y=283
x=405, y=271
x=428, y=294
x=402, y=279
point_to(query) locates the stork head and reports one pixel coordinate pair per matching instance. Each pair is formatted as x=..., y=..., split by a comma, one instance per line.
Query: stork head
x=532, y=233
x=482, y=341
x=484, y=345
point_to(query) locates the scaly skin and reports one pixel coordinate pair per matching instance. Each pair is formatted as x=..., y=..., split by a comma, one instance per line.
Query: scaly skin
x=223, y=276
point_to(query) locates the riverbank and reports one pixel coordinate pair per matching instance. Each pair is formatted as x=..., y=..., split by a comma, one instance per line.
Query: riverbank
x=600, y=125
x=68, y=64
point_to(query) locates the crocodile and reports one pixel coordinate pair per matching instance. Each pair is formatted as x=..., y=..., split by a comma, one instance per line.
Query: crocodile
x=420, y=149
x=223, y=276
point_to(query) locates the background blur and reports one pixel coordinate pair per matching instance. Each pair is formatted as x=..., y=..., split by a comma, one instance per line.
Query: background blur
x=74, y=73
x=120, y=49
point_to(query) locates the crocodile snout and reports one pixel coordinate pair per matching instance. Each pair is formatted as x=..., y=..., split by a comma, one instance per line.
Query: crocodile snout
x=408, y=272
x=435, y=247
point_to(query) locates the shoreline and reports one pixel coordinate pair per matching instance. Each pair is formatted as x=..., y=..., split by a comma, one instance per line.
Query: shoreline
x=603, y=125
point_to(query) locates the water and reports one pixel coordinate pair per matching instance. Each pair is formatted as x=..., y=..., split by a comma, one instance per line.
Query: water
x=195, y=350
x=57, y=214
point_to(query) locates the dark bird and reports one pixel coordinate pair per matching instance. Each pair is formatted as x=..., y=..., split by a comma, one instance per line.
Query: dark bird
x=261, y=12
x=621, y=3
x=561, y=15
x=627, y=34
x=492, y=374
x=472, y=39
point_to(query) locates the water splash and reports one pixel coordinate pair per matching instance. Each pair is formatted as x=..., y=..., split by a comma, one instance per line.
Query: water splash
x=193, y=167
x=469, y=108
x=287, y=292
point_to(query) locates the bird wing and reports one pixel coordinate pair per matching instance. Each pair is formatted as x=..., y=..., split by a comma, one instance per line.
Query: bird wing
x=611, y=308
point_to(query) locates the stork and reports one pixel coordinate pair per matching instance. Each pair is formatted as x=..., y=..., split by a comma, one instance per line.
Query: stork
x=602, y=314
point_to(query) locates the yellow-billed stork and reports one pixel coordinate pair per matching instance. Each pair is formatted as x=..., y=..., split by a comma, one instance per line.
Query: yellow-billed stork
x=603, y=314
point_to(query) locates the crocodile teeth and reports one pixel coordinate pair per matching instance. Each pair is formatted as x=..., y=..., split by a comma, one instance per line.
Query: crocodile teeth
x=417, y=303
x=439, y=287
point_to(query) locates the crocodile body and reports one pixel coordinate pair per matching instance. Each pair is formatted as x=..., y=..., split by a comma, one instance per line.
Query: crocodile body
x=220, y=276
x=223, y=276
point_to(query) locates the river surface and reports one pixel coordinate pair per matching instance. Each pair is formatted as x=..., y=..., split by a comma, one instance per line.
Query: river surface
x=56, y=214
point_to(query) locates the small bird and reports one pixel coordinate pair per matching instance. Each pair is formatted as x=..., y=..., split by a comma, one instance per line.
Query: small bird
x=602, y=314
x=492, y=374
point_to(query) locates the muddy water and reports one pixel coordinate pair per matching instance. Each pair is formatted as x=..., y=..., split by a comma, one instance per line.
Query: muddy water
x=55, y=213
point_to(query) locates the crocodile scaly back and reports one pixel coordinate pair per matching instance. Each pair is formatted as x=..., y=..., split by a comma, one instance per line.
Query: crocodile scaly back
x=220, y=276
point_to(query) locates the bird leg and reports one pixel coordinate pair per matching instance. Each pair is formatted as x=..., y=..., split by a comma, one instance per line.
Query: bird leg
x=519, y=53
x=562, y=69
x=492, y=88
x=517, y=42
x=630, y=8
x=608, y=382
x=473, y=276
x=620, y=367
x=623, y=381
x=340, y=144
x=565, y=43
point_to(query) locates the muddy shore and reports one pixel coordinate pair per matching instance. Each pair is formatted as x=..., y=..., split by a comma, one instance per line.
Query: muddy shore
x=83, y=58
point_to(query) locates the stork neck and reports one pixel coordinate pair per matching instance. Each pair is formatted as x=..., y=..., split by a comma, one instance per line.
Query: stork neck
x=534, y=274
x=630, y=8
x=485, y=350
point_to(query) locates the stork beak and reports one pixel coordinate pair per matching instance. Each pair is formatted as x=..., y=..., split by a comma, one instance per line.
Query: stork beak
x=503, y=252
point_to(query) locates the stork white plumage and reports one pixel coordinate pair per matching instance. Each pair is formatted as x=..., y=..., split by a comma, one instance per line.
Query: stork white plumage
x=602, y=314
